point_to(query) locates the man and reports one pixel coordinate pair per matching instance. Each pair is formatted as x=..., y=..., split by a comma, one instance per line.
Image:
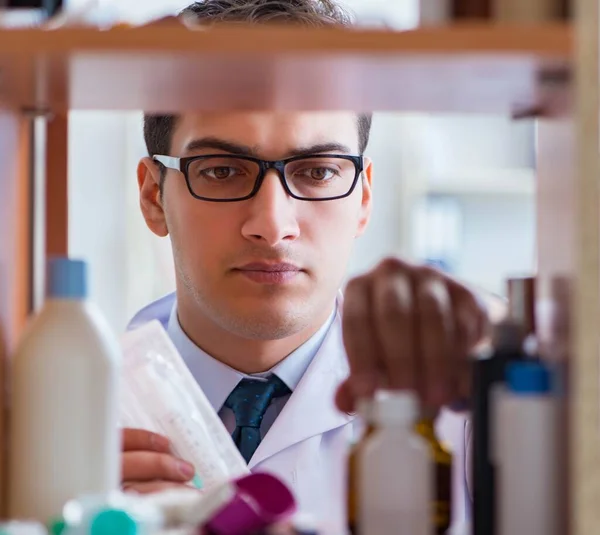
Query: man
x=263, y=210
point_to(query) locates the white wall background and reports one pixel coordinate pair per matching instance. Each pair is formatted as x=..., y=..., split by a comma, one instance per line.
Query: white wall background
x=97, y=207
x=498, y=239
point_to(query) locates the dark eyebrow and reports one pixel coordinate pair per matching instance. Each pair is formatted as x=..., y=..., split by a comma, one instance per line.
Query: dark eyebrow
x=219, y=144
x=321, y=148
x=244, y=150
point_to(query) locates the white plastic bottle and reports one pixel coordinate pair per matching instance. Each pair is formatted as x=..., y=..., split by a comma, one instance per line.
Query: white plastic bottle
x=64, y=437
x=525, y=451
x=396, y=472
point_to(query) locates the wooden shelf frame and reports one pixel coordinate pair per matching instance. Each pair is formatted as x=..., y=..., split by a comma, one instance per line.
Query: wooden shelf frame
x=551, y=39
x=495, y=69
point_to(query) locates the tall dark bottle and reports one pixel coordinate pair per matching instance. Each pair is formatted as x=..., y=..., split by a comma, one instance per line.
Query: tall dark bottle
x=488, y=371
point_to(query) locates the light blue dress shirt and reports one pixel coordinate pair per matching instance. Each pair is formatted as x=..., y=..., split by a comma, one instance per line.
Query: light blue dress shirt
x=217, y=380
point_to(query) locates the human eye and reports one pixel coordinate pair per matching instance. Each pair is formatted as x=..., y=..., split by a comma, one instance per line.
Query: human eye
x=219, y=173
x=323, y=173
x=218, y=169
x=318, y=172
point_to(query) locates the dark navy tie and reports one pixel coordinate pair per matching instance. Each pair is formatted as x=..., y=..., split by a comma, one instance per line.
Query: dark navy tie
x=249, y=402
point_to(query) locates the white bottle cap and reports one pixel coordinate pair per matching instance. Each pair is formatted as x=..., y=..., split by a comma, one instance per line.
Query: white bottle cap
x=399, y=407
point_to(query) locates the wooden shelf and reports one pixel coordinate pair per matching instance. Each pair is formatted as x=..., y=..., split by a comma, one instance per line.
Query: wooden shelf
x=484, y=68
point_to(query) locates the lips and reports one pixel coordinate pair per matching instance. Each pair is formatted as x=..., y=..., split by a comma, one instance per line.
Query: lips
x=281, y=267
x=269, y=273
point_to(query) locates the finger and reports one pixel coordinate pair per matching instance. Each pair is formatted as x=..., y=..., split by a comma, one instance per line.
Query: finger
x=344, y=400
x=478, y=303
x=470, y=320
x=394, y=321
x=353, y=389
x=149, y=465
x=435, y=339
x=360, y=339
x=471, y=313
x=467, y=325
x=141, y=440
x=150, y=487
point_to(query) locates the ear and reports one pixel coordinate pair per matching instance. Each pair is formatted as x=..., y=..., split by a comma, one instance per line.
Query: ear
x=148, y=175
x=367, y=198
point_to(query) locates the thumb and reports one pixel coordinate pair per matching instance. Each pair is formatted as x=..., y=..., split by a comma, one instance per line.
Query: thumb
x=354, y=388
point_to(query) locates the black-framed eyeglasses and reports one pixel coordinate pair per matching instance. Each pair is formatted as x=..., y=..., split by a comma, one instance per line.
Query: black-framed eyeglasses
x=229, y=178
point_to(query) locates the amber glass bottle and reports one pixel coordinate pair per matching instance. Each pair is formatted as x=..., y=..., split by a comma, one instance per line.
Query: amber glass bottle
x=442, y=458
x=365, y=412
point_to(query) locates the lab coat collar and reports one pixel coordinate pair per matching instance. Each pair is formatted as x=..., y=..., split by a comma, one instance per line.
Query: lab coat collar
x=217, y=380
x=311, y=409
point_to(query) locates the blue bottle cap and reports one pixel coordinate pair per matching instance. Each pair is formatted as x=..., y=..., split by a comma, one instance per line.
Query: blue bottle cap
x=113, y=522
x=528, y=378
x=67, y=278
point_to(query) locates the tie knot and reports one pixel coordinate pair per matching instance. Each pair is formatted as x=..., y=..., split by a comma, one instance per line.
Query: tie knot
x=251, y=398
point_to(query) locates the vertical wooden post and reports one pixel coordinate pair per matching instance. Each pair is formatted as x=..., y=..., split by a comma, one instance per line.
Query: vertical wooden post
x=15, y=255
x=556, y=228
x=15, y=224
x=569, y=272
x=556, y=259
x=585, y=381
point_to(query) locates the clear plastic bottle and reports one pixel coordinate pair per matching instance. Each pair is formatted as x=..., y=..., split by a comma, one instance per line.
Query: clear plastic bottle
x=396, y=472
x=525, y=450
x=65, y=440
x=365, y=412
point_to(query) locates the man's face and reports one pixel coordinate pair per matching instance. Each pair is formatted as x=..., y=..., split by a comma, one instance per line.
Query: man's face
x=229, y=256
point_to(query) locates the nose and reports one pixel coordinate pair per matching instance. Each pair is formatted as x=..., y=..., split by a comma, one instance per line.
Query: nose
x=272, y=219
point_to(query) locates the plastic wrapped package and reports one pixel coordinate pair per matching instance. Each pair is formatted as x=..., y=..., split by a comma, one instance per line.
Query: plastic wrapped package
x=159, y=394
x=250, y=504
x=170, y=511
x=183, y=507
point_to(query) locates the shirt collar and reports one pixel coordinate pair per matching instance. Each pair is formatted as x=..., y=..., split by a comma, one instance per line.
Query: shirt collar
x=217, y=380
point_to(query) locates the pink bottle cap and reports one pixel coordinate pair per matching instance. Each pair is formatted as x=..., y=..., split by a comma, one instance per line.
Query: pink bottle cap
x=261, y=500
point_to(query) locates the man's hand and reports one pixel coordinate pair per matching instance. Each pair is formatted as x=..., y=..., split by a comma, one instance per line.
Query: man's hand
x=409, y=327
x=148, y=464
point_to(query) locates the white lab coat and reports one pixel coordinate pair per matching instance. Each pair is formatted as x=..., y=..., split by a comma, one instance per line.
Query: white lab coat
x=308, y=442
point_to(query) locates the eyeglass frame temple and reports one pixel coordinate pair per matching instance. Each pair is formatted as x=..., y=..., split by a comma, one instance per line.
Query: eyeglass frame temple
x=172, y=162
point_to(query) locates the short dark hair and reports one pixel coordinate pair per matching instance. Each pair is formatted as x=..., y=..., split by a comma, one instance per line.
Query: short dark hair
x=158, y=129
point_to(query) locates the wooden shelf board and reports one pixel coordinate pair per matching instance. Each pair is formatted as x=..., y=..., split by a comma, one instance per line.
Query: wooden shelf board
x=474, y=68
